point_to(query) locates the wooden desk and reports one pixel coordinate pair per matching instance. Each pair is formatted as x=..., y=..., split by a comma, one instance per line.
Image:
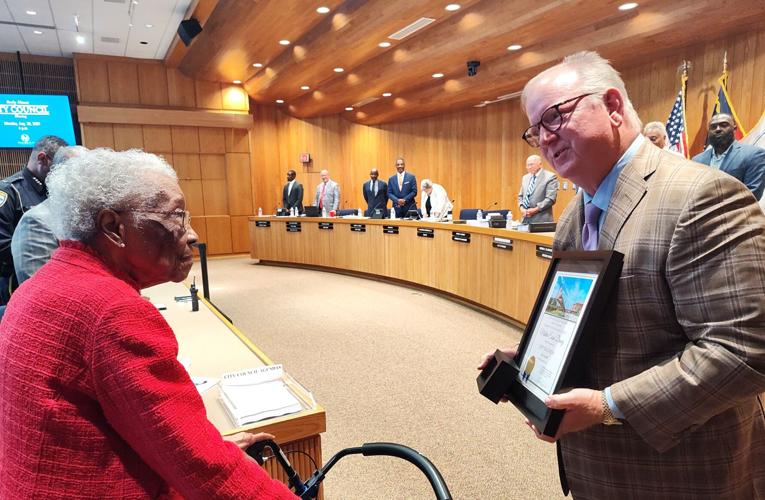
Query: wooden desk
x=214, y=346
x=504, y=281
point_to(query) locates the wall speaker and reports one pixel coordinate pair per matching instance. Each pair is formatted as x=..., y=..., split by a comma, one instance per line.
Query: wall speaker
x=188, y=29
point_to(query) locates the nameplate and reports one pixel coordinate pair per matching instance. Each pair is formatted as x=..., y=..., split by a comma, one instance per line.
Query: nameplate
x=461, y=236
x=544, y=252
x=390, y=229
x=423, y=232
x=359, y=228
x=262, y=223
x=502, y=243
x=327, y=225
x=293, y=227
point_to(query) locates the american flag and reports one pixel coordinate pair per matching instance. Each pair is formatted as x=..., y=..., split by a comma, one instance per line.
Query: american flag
x=678, y=138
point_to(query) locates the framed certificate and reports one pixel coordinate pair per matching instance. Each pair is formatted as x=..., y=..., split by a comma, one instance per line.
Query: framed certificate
x=554, y=349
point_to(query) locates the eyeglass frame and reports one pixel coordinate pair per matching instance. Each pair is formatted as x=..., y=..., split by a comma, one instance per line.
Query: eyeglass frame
x=185, y=215
x=539, y=125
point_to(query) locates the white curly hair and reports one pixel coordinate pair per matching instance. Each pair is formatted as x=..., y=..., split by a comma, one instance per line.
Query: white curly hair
x=101, y=179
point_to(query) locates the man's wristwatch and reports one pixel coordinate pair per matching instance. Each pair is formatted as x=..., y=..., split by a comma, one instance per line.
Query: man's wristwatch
x=608, y=415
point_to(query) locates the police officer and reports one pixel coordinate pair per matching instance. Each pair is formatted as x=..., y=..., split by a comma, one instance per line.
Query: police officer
x=18, y=193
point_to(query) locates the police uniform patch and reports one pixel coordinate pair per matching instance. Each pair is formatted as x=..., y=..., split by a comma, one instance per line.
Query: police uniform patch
x=3, y=198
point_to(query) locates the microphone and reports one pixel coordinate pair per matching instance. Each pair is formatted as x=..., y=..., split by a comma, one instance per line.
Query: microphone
x=490, y=206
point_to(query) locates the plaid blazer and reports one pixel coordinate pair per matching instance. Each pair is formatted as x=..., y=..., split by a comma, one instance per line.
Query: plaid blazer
x=682, y=344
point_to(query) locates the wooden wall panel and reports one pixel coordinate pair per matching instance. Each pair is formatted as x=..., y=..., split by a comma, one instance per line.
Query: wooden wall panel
x=157, y=139
x=192, y=190
x=237, y=141
x=215, y=195
x=98, y=135
x=477, y=154
x=123, y=83
x=128, y=137
x=239, y=186
x=152, y=85
x=181, y=90
x=240, y=238
x=187, y=166
x=208, y=95
x=92, y=81
x=212, y=140
x=213, y=166
x=218, y=234
x=185, y=140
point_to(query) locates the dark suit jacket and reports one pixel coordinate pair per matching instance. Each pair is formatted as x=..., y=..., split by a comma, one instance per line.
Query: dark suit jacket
x=680, y=342
x=744, y=162
x=408, y=193
x=295, y=198
x=379, y=201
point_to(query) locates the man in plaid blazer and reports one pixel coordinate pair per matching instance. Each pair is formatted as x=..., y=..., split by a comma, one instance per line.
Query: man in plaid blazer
x=671, y=408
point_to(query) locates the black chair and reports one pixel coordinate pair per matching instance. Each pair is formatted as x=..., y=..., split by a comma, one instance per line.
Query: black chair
x=469, y=213
x=347, y=211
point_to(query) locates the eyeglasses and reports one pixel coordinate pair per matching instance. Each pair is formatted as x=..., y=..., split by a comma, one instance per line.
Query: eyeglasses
x=551, y=120
x=183, y=215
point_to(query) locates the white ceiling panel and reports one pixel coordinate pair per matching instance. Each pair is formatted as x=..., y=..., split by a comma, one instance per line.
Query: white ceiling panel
x=5, y=14
x=65, y=10
x=44, y=44
x=69, y=44
x=19, y=8
x=10, y=39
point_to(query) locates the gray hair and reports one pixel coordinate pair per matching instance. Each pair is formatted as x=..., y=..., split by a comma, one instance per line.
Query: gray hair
x=655, y=126
x=426, y=183
x=101, y=179
x=49, y=144
x=66, y=152
x=596, y=76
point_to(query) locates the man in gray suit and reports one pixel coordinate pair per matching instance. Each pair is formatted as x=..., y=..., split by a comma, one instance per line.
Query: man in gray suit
x=539, y=190
x=327, y=193
x=744, y=162
x=669, y=404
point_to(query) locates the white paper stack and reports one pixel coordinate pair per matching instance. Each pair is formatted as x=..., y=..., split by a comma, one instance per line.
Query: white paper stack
x=252, y=395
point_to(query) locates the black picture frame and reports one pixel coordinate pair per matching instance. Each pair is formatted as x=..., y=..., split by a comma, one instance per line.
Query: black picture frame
x=574, y=323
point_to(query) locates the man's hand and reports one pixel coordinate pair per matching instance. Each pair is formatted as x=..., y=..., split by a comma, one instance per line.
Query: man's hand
x=400, y=202
x=245, y=439
x=584, y=408
x=510, y=351
x=532, y=211
x=523, y=211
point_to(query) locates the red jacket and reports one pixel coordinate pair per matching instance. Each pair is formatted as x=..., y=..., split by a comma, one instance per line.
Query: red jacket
x=94, y=404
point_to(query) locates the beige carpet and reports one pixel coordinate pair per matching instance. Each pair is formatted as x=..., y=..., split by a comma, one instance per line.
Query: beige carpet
x=390, y=363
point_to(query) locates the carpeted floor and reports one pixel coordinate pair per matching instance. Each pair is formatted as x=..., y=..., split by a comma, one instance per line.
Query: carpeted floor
x=390, y=363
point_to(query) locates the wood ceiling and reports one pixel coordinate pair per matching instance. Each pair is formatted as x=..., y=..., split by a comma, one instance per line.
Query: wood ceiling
x=239, y=33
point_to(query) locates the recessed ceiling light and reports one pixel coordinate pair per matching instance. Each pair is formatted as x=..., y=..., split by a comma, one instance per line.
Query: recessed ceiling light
x=515, y=46
x=349, y=108
x=284, y=42
x=338, y=70
x=437, y=75
x=384, y=44
x=37, y=32
x=257, y=65
x=31, y=12
x=237, y=82
x=280, y=101
x=387, y=94
x=149, y=25
x=628, y=6
x=135, y=2
x=322, y=10
x=305, y=87
x=80, y=39
x=130, y=24
x=452, y=7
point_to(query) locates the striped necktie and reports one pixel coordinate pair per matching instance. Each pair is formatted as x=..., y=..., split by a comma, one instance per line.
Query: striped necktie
x=529, y=190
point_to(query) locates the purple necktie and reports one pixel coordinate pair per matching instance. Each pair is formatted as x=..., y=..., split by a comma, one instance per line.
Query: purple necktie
x=590, y=232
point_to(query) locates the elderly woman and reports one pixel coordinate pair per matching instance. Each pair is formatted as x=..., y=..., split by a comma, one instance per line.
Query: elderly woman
x=93, y=403
x=435, y=202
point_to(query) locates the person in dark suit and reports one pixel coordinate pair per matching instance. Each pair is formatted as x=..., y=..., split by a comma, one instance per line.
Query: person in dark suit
x=744, y=162
x=292, y=194
x=402, y=189
x=375, y=194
